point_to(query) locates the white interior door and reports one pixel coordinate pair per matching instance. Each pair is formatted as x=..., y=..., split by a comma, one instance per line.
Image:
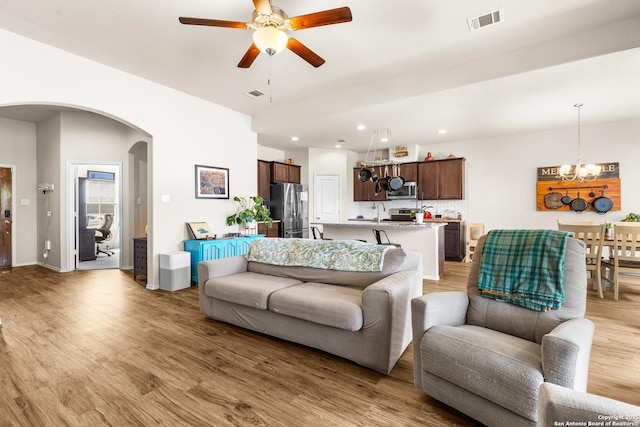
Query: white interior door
x=327, y=200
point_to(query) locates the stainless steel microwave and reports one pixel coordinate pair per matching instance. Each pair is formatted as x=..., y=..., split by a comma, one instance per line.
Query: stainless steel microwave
x=409, y=190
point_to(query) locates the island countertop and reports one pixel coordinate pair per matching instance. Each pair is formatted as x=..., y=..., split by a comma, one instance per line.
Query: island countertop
x=427, y=238
x=363, y=223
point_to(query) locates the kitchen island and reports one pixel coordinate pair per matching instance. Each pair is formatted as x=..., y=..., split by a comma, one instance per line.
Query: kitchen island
x=427, y=238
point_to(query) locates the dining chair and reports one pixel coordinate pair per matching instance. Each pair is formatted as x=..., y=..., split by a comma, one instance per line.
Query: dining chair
x=593, y=238
x=624, y=255
x=473, y=232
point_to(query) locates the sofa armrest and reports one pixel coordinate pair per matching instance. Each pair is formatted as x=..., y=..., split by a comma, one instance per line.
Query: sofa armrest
x=217, y=268
x=438, y=308
x=557, y=404
x=565, y=353
x=386, y=311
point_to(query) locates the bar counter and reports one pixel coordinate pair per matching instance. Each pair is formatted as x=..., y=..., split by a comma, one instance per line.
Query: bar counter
x=427, y=238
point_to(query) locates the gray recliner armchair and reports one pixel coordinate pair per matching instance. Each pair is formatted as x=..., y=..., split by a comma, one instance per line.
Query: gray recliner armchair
x=488, y=358
x=558, y=405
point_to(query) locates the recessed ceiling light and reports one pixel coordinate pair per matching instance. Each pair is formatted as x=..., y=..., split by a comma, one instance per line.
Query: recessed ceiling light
x=385, y=139
x=338, y=146
x=295, y=138
x=361, y=127
x=442, y=131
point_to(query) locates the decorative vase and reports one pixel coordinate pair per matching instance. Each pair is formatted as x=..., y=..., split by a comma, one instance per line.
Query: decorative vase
x=250, y=227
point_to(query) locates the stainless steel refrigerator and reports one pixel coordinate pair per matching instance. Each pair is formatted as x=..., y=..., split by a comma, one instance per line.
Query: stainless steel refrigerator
x=290, y=204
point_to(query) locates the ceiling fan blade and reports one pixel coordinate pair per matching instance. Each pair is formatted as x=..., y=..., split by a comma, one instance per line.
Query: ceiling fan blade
x=263, y=6
x=304, y=52
x=318, y=19
x=249, y=57
x=213, y=23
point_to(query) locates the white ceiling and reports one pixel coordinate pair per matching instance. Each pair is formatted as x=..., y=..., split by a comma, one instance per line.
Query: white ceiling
x=410, y=66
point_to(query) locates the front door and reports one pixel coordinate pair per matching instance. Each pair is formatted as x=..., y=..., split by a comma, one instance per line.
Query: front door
x=5, y=217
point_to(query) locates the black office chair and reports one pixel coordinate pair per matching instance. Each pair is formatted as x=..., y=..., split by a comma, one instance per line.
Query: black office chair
x=377, y=234
x=317, y=234
x=105, y=232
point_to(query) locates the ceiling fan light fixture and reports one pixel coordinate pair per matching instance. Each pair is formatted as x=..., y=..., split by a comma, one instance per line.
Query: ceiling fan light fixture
x=270, y=40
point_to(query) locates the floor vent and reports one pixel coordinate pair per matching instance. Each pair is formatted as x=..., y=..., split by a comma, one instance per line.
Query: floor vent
x=254, y=94
x=481, y=21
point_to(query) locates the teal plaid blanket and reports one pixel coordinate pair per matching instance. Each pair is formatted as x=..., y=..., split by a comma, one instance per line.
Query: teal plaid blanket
x=524, y=267
x=345, y=255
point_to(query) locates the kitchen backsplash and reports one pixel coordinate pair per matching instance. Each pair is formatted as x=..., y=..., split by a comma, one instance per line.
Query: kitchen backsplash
x=441, y=207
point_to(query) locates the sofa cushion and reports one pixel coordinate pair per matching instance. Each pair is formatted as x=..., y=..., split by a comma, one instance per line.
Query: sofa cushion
x=329, y=305
x=504, y=369
x=250, y=289
x=394, y=260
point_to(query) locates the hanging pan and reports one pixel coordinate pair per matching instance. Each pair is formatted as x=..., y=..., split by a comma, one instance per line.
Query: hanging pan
x=578, y=204
x=365, y=174
x=602, y=204
x=553, y=200
x=566, y=199
x=396, y=182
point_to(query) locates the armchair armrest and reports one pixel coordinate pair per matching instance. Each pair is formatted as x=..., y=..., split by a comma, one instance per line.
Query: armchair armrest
x=438, y=308
x=557, y=404
x=565, y=353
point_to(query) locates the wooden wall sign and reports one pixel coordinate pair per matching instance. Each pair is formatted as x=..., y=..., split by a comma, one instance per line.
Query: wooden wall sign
x=607, y=184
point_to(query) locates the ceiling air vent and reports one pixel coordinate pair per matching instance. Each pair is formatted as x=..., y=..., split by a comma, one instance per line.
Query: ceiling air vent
x=487, y=19
x=254, y=94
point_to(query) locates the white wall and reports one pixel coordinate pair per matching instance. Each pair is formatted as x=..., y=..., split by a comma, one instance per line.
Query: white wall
x=18, y=149
x=49, y=205
x=185, y=131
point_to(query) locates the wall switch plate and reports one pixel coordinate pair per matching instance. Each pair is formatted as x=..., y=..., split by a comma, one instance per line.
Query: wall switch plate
x=25, y=202
x=165, y=198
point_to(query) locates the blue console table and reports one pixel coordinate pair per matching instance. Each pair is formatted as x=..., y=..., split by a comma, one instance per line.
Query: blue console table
x=202, y=250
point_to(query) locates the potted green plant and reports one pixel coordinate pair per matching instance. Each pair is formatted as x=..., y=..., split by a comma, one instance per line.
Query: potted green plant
x=607, y=230
x=249, y=210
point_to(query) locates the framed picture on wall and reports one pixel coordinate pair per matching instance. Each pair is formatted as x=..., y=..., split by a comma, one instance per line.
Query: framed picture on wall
x=212, y=182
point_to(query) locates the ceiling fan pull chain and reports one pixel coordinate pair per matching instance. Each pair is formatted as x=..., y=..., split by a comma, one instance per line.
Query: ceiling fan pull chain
x=269, y=81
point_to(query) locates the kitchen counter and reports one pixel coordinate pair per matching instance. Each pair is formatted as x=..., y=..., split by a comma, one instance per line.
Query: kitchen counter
x=427, y=238
x=387, y=220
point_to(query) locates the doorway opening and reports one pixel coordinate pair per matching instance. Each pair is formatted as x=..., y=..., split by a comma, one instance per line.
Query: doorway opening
x=98, y=213
x=6, y=216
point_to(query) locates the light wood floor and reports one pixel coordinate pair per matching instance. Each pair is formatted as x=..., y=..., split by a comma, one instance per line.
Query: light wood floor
x=95, y=348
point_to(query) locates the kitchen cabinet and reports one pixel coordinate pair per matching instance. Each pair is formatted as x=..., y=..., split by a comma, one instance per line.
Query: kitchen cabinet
x=441, y=179
x=365, y=191
x=409, y=172
x=454, y=248
x=284, y=172
x=273, y=231
x=264, y=179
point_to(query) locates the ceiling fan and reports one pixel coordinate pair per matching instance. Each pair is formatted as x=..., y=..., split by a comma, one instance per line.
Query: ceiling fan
x=271, y=24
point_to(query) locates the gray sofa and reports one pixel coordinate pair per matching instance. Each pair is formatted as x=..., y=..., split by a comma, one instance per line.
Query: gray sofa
x=364, y=317
x=488, y=358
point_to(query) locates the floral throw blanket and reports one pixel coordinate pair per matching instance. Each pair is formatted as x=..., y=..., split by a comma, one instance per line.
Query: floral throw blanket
x=344, y=255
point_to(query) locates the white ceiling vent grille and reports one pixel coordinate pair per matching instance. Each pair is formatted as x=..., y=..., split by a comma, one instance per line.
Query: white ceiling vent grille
x=490, y=18
x=254, y=94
